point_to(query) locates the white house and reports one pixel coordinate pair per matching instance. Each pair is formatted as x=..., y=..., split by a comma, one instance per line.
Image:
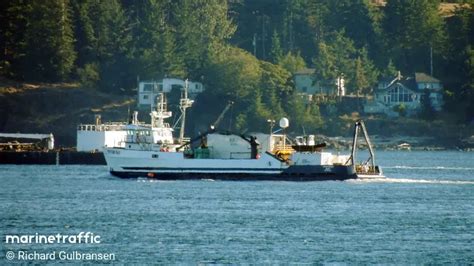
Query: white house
x=148, y=90
x=306, y=84
x=407, y=91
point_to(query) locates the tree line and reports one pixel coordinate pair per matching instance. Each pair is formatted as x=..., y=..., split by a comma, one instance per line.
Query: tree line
x=242, y=50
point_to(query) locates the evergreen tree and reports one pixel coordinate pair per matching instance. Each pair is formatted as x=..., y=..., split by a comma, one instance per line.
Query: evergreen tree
x=49, y=48
x=154, y=41
x=390, y=70
x=274, y=86
x=468, y=87
x=292, y=62
x=335, y=58
x=325, y=63
x=356, y=17
x=105, y=46
x=14, y=19
x=276, y=53
x=316, y=15
x=303, y=116
x=296, y=33
x=412, y=28
x=84, y=32
x=361, y=82
x=256, y=112
x=455, y=74
x=366, y=73
x=202, y=27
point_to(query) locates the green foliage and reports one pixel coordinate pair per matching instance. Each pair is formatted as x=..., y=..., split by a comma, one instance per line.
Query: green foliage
x=48, y=52
x=303, y=115
x=154, y=45
x=339, y=57
x=275, y=86
x=366, y=74
x=13, y=18
x=89, y=75
x=292, y=62
x=261, y=91
x=107, y=44
x=334, y=57
x=468, y=87
x=201, y=28
x=458, y=75
x=411, y=29
x=235, y=75
x=256, y=112
x=276, y=53
x=390, y=70
x=401, y=109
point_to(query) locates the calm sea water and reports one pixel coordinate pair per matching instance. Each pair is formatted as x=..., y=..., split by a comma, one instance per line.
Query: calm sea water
x=422, y=213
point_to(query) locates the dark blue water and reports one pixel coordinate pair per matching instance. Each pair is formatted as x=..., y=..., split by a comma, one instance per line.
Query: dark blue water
x=423, y=213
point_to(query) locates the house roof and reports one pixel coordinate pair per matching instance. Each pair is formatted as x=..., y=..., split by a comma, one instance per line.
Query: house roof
x=305, y=71
x=425, y=78
x=407, y=82
x=410, y=82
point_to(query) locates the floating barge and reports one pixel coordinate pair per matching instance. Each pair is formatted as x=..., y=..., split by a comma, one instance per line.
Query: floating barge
x=17, y=148
x=59, y=157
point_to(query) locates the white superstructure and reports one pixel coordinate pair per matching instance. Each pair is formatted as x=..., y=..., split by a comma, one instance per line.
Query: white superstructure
x=94, y=137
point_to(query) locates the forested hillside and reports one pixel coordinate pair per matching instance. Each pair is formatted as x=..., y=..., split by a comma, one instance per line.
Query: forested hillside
x=242, y=50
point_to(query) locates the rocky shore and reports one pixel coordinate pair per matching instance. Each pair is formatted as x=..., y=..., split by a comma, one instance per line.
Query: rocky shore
x=398, y=143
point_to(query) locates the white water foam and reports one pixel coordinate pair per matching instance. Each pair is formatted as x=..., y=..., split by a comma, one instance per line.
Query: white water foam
x=407, y=180
x=428, y=167
x=151, y=180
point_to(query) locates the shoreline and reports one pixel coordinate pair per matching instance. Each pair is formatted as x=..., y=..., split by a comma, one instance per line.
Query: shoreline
x=402, y=143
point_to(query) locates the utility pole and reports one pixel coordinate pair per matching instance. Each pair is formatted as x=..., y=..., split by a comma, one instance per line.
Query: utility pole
x=290, y=30
x=263, y=36
x=431, y=60
x=254, y=43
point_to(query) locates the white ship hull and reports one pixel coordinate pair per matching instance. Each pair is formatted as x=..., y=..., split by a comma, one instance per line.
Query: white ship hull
x=174, y=165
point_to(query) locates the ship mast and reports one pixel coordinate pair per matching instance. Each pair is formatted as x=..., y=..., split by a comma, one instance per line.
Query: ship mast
x=184, y=103
x=158, y=116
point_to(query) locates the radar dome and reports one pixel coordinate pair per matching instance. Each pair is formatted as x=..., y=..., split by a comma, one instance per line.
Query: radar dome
x=284, y=122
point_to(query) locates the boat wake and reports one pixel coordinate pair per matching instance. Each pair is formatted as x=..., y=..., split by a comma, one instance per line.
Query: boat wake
x=415, y=181
x=151, y=180
x=428, y=167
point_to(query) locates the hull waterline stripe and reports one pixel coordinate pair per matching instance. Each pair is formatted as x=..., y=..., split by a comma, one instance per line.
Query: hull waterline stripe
x=203, y=169
x=235, y=176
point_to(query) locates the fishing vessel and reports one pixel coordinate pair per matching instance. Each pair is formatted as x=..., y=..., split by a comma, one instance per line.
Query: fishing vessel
x=230, y=156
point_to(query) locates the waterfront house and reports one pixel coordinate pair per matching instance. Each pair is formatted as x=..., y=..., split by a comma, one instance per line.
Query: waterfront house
x=410, y=92
x=306, y=84
x=148, y=91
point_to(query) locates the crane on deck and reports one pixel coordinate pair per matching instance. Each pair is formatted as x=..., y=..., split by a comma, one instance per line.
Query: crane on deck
x=221, y=116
